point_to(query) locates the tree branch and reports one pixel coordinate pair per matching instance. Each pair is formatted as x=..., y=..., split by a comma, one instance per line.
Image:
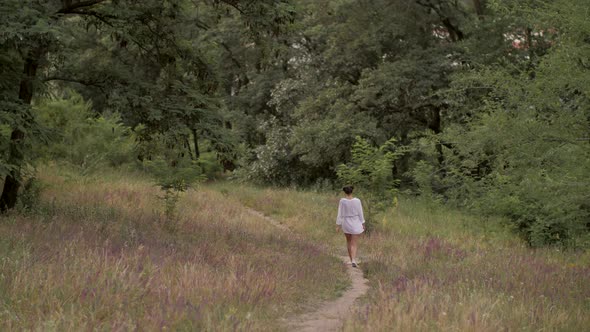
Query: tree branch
x=101, y=17
x=454, y=32
x=71, y=7
x=231, y=54
x=74, y=80
x=233, y=4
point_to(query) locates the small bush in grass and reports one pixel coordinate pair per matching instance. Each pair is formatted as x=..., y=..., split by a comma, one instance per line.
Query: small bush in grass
x=210, y=166
x=174, y=180
x=370, y=170
x=28, y=200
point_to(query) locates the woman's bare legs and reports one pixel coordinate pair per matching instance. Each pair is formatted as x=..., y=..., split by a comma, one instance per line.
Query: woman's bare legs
x=348, y=240
x=351, y=245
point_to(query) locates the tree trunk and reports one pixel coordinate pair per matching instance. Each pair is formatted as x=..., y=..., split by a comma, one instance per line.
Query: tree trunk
x=187, y=145
x=12, y=180
x=435, y=126
x=196, y=141
x=16, y=157
x=479, y=6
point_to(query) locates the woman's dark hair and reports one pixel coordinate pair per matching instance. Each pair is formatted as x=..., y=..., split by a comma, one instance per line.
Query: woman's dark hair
x=348, y=190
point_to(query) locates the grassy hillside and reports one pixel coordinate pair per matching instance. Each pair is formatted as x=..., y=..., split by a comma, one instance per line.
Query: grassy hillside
x=436, y=269
x=99, y=254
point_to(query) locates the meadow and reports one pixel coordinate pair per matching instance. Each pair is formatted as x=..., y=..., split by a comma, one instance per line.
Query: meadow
x=434, y=268
x=98, y=253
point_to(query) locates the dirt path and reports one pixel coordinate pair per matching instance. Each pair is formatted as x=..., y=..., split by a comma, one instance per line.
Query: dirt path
x=330, y=315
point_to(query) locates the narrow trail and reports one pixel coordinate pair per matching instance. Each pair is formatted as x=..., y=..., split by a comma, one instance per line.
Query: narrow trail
x=330, y=315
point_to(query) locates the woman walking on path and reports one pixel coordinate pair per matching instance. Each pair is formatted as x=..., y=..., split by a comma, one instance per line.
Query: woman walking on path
x=351, y=219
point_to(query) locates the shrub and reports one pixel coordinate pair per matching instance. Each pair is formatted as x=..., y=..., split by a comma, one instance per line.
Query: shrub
x=28, y=200
x=268, y=162
x=174, y=180
x=370, y=171
x=82, y=139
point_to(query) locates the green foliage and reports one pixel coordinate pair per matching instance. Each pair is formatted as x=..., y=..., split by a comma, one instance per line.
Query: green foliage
x=353, y=68
x=534, y=172
x=423, y=174
x=148, y=61
x=175, y=147
x=326, y=130
x=523, y=151
x=209, y=165
x=83, y=139
x=174, y=180
x=370, y=171
x=268, y=163
x=29, y=198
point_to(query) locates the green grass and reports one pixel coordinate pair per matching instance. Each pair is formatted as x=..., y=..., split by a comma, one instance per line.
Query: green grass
x=304, y=212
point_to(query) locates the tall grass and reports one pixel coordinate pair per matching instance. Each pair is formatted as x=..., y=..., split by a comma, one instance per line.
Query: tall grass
x=98, y=253
x=433, y=268
x=305, y=212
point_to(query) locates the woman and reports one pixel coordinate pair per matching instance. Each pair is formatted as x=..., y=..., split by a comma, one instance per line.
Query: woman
x=351, y=219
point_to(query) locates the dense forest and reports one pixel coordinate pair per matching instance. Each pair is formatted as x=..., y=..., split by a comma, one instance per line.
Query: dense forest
x=479, y=104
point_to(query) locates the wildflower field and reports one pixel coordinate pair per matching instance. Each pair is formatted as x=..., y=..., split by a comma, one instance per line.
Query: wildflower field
x=432, y=268
x=99, y=253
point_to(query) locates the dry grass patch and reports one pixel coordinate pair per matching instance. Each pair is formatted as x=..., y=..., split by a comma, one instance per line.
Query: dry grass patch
x=100, y=255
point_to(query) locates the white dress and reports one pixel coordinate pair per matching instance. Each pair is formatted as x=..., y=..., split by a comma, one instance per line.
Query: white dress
x=350, y=216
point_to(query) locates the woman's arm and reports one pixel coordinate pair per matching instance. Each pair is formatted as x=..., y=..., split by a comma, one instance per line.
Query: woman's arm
x=339, y=217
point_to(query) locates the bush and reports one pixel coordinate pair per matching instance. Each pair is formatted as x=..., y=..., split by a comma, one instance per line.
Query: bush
x=174, y=147
x=272, y=162
x=371, y=172
x=28, y=199
x=82, y=139
x=209, y=165
x=174, y=180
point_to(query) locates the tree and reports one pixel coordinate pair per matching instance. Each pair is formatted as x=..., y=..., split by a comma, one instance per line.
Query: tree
x=524, y=151
x=144, y=60
x=369, y=68
x=30, y=34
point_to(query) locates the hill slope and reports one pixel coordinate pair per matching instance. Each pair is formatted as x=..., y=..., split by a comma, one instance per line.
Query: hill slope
x=98, y=253
x=432, y=268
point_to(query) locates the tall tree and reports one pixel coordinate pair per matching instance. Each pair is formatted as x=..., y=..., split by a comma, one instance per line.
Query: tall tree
x=370, y=68
x=523, y=150
x=145, y=60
